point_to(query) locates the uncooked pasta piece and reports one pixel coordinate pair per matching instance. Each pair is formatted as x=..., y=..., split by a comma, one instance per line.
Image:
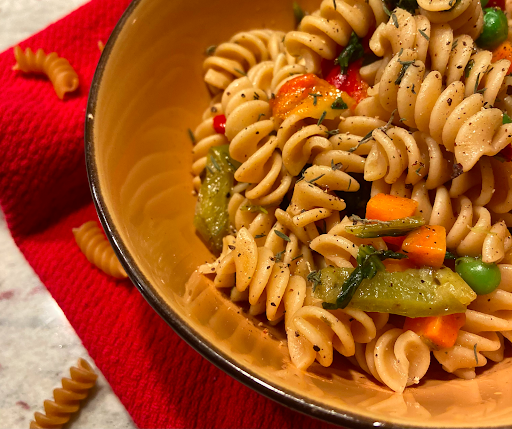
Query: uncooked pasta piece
x=67, y=398
x=59, y=71
x=97, y=249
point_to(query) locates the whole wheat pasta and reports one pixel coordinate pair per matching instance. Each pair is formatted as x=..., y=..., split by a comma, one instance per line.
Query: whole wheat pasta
x=59, y=71
x=313, y=142
x=66, y=398
x=97, y=249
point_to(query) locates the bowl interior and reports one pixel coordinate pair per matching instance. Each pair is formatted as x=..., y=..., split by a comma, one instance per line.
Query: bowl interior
x=148, y=91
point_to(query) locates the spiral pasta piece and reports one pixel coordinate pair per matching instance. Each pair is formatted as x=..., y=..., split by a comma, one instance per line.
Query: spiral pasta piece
x=322, y=32
x=256, y=273
x=61, y=74
x=437, y=44
x=67, y=398
x=97, y=249
x=395, y=357
x=248, y=127
x=339, y=248
x=454, y=116
x=487, y=184
x=488, y=320
x=244, y=50
x=465, y=16
x=395, y=151
x=315, y=333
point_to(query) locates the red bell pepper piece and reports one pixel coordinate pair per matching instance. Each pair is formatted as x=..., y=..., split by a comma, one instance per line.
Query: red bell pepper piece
x=219, y=124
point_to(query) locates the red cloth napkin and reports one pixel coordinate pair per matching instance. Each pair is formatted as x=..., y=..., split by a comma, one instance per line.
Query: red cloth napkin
x=44, y=193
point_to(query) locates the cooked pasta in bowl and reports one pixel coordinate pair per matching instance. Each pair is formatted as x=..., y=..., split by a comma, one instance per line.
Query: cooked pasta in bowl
x=318, y=196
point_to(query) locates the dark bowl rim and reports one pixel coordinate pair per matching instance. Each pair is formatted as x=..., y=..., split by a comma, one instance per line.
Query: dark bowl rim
x=208, y=351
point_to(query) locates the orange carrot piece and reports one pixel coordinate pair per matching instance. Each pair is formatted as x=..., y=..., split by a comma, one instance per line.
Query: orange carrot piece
x=397, y=265
x=440, y=331
x=389, y=207
x=426, y=245
x=504, y=51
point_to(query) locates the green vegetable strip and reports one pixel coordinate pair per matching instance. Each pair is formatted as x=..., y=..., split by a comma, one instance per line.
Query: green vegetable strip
x=368, y=228
x=369, y=263
x=211, y=217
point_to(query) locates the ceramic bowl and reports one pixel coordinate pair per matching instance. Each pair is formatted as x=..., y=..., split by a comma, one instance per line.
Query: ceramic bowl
x=148, y=90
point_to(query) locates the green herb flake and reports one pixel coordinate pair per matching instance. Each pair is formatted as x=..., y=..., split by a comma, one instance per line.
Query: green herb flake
x=279, y=256
x=297, y=257
x=210, y=50
x=241, y=72
x=315, y=98
x=409, y=5
x=259, y=116
x=475, y=353
x=424, y=34
x=321, y=119
x=352, y=52
x=316, y=178
x=298, y=13
x=336, y=166
x=315, y=277
x=334, y=4
x=405, y=66
x=282, y=235
x=332, y=133
x=191, y=136
x=215, y=164
x=256, y=96
x=395, y=20
x=339, y=104
x=468, y=68
x=385, y=8
x=260, y=236
x=412, y=89
x=455, y=44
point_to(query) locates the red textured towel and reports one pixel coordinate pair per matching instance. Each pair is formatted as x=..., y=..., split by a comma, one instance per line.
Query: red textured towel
x=44, y=193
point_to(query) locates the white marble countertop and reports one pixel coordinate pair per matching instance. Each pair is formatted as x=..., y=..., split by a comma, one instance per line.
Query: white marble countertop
x=37, y=343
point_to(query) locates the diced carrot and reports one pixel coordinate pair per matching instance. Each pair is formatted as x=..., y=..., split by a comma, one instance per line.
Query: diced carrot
x=395, y=265
x=426, y=245
x=389, y=207
x=504, y=51
x=440, y=331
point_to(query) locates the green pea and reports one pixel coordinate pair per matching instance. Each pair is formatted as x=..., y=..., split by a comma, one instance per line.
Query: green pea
x=495, y=29
x=483, y=278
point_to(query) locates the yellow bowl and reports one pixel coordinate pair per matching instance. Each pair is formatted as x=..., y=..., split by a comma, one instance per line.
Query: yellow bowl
x=148, y=90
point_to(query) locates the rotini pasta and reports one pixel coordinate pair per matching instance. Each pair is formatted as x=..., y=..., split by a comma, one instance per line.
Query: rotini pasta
x=395, y=357
x=308, y=225
x=453, y=116
x=67, y=398
x=97, y=249
x=59, y=71
x=322, y=32
x=234, y=58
